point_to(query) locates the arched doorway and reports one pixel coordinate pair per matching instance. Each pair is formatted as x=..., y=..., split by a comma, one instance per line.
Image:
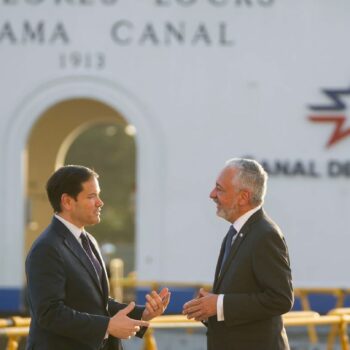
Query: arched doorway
x=149, y=171
x=87, y=132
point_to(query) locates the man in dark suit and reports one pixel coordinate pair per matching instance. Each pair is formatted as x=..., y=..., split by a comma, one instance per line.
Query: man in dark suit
x=67, y=281
x=253, y=285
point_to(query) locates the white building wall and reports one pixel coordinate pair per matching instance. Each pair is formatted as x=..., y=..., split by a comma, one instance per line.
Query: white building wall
x=240, y=83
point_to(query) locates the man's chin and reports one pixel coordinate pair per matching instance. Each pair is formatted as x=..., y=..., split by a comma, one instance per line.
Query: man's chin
x=220, y=213
x=97, y=221
x=94, y=222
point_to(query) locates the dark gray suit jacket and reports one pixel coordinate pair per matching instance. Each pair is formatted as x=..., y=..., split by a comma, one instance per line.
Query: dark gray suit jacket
x=257, y=284
x=69, y=306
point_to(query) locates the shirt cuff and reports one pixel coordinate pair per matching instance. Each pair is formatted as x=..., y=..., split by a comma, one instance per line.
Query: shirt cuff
x=220, y=308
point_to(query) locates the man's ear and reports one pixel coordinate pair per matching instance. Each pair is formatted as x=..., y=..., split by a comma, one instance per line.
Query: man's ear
x=244, y=197
x=66, y=202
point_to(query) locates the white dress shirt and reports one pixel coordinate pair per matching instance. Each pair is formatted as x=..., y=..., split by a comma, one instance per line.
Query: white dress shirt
x=76, y=231
x=238, y=224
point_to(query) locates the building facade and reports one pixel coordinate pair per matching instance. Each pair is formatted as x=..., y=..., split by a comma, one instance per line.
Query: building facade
x=202, y=81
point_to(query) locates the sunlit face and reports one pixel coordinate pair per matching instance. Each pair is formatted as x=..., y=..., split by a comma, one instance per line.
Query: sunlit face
x=86, y=208
x=226, y=196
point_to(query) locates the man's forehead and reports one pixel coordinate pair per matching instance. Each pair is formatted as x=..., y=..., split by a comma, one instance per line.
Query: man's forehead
x=226, y=173
x=91, y=184
x=223, y=179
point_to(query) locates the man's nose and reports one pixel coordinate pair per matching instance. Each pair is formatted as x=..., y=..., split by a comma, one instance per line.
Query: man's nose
x=212, y=194
x=100, y=203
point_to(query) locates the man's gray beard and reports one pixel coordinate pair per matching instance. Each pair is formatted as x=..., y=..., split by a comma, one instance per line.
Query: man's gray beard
x=224, y=214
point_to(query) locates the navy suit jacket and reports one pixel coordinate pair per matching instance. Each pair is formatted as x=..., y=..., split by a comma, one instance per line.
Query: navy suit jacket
x=70, y=307
x=257, y=286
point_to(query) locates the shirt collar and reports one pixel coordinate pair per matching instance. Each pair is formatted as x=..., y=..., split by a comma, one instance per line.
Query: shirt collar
x=238, y=224
x=76, y=231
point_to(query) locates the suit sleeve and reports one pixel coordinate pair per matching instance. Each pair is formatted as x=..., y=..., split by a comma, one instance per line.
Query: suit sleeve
x=46, y=291
x=114, y=307
x=274, y=295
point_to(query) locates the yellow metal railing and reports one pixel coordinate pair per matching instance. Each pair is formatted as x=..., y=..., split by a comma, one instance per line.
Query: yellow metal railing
x=302, y=293
x=292, y=319
x=339, y=294
x=18, y=327
x=338, y=319
x=345, y=314
x=14, y=329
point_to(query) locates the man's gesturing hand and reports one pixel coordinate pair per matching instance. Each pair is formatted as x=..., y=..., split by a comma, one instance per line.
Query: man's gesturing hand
x=201, y=308
x=124, y=327
x=156, y=304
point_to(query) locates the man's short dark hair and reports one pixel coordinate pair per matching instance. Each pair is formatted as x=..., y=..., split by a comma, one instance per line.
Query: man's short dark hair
x=67, y=179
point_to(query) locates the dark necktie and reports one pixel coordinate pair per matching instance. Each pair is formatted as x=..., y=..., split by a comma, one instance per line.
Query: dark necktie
x=86, y=245
x=228, y=243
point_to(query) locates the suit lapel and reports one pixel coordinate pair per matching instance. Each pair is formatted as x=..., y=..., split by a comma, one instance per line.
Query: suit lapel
x=218, y=264
x=77, y=250
x=237, y=242
x=241, y=235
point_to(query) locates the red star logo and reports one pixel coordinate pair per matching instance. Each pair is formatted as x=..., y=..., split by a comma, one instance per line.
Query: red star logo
x=339, y=132
x=337, y=107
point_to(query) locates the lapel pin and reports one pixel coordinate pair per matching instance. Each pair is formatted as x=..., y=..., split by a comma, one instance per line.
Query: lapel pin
x=241, y=235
